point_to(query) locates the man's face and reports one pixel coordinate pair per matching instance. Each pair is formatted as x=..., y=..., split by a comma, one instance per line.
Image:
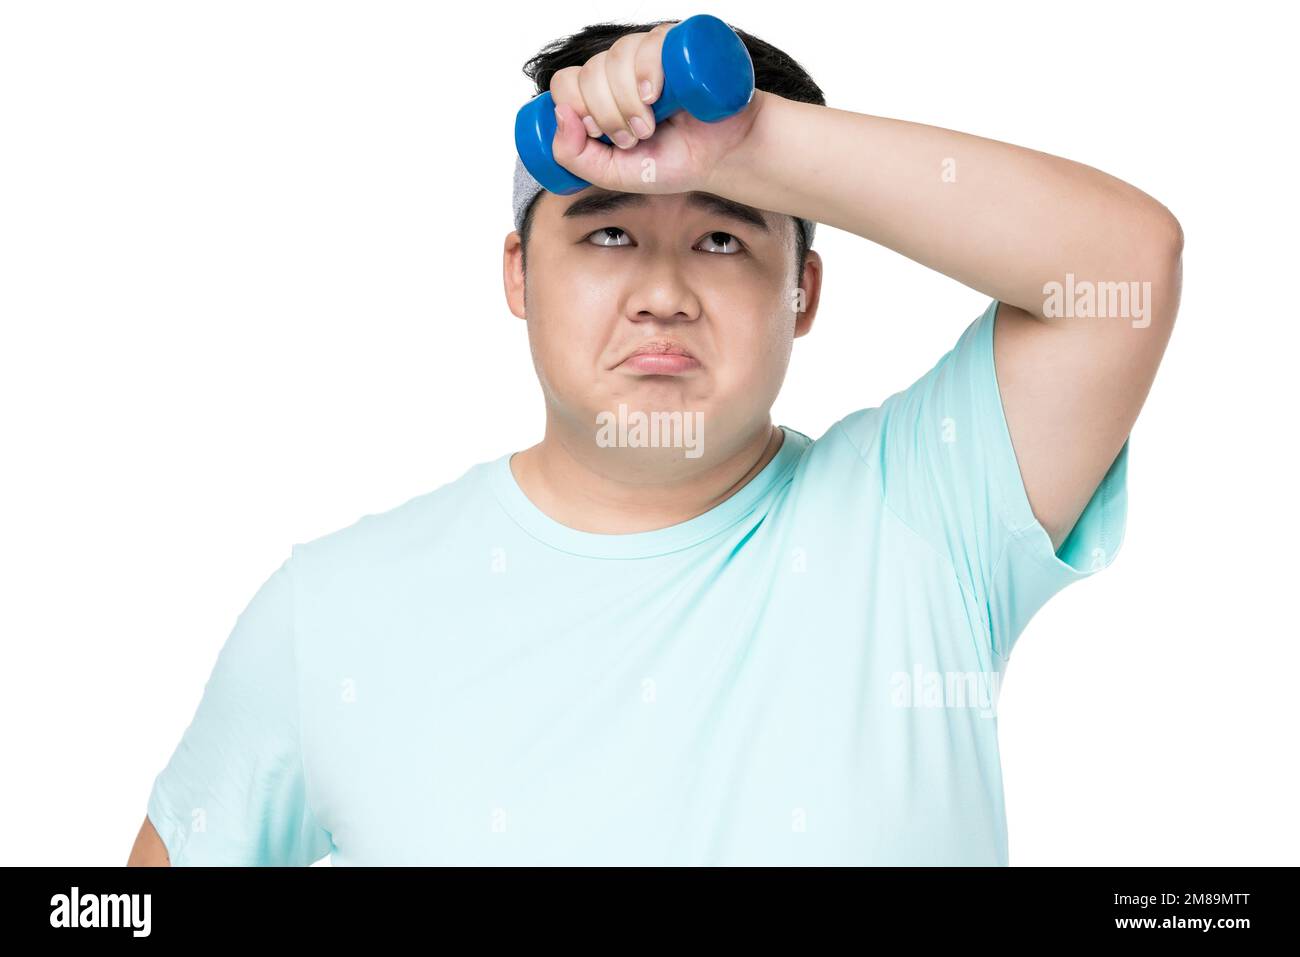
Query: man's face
x=613, y=273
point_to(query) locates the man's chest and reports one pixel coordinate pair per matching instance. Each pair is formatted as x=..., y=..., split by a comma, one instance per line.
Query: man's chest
x=700, y=716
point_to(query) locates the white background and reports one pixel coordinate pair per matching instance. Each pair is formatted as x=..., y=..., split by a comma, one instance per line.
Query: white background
x=250, y=287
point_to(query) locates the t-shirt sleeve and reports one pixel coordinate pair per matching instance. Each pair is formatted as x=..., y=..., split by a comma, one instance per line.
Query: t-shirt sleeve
x=949, y=471
x=234, y=791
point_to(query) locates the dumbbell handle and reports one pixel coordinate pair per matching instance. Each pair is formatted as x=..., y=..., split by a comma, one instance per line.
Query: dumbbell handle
x=707, y=72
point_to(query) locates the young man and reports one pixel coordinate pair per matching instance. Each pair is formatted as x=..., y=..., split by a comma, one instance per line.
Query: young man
x=720, y=641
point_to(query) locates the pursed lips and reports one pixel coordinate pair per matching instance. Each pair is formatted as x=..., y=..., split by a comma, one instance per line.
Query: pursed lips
x=660, y=357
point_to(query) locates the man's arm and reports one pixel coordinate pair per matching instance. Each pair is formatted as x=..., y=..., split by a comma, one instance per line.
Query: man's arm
x=1008, y=222
x=149, y=850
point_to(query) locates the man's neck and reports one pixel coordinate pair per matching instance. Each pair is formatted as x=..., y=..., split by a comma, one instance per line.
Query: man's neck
x=593, y=490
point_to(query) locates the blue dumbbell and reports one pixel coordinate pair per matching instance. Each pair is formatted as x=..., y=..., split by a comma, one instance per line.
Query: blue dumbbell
x=707, y=73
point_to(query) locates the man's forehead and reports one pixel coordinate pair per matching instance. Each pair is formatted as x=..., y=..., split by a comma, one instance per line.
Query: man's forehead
x=594, y=201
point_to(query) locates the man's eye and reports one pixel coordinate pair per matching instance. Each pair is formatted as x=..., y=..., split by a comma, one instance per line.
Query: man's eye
x=611, y=235
x=724, y=243
x=727, y=240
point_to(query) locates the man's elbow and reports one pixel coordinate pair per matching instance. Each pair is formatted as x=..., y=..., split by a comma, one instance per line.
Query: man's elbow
x=1160, y=270
x=1167, y=241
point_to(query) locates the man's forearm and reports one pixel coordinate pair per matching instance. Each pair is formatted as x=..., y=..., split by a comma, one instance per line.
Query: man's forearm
x=999, y=218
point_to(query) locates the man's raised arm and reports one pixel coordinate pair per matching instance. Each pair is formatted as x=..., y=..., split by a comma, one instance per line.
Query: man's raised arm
x=1086, y=268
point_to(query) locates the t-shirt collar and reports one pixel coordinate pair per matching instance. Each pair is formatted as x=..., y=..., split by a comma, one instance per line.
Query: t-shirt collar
x=657, y=541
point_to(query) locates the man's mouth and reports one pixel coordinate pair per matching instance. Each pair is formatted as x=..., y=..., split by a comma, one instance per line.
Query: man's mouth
x=660, y=357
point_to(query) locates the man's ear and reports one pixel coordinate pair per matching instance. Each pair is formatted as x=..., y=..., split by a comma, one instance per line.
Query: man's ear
x=807, y=296
x=512, y=269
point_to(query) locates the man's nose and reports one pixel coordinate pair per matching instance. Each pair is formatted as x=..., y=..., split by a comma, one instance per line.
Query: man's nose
x=663, y=291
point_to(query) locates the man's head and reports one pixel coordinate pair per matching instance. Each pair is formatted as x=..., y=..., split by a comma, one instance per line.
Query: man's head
x=607, y=273
x=774, y=72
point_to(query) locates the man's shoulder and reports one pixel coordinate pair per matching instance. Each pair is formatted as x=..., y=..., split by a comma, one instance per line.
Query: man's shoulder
x=403, y=529
x=851, y=435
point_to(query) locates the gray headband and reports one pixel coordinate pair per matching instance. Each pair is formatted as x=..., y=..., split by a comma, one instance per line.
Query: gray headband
x=527, y=188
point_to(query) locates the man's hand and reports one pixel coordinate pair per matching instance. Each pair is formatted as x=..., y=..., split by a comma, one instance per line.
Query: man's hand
x=606, y=96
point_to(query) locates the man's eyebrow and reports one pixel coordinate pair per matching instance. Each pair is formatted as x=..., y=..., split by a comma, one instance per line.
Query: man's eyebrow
x=598, y=202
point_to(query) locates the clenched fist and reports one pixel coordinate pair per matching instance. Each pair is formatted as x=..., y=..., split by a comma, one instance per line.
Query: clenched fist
x=613, y=94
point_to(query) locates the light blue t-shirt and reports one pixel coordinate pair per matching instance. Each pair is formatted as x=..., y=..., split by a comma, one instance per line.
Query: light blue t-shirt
x=804, y=674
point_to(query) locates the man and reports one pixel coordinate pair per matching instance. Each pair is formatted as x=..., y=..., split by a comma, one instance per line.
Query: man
x=671, y=632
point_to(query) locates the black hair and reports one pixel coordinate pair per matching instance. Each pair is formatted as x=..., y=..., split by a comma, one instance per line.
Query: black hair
x=774, y=72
